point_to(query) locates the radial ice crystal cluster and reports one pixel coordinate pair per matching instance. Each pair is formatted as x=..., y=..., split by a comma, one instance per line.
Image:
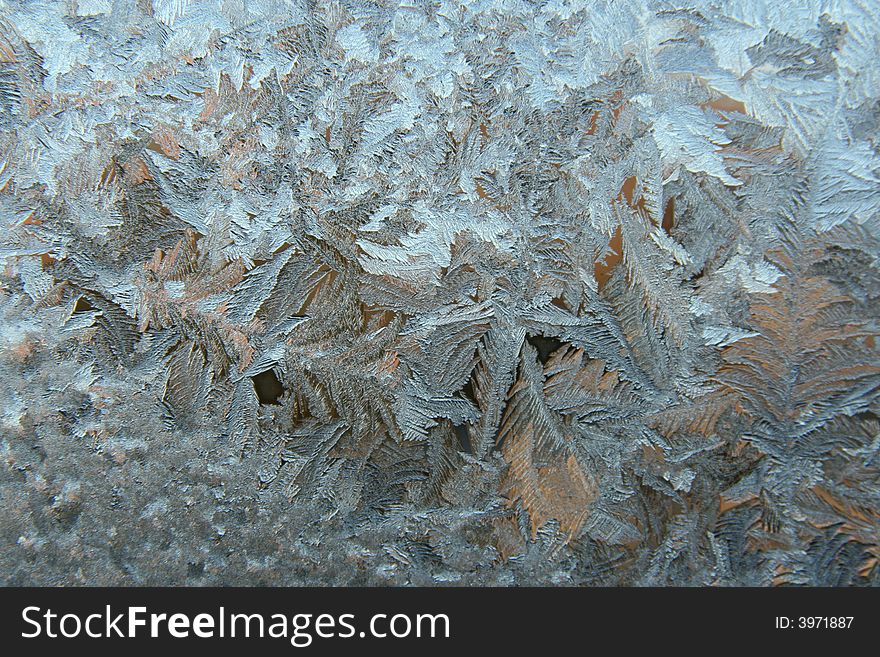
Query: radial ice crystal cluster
x=501, y=292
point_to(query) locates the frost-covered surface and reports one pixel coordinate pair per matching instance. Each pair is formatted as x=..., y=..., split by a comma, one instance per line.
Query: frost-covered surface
x=488, y=293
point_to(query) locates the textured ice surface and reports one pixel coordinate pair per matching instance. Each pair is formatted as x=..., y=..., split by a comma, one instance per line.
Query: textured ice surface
x=483, y=293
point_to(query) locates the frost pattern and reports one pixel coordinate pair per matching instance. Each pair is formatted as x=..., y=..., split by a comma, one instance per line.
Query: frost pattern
x=495, y=292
